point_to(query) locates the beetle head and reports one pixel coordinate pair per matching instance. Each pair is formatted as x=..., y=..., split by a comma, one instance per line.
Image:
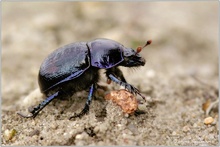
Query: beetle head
x=132, y=58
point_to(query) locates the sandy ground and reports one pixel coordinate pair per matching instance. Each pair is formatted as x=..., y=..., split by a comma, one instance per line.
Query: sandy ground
x=181, y=73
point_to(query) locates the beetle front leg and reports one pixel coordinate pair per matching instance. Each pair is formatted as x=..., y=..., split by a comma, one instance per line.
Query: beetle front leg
x=127, y=86
x=117, y=72
x=38, y=108
x=88, y=102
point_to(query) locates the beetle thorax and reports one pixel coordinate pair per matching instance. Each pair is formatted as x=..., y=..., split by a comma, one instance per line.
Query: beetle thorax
x=105, y=53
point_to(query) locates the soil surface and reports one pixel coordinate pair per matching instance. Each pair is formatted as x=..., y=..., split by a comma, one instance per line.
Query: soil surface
x=179, y=79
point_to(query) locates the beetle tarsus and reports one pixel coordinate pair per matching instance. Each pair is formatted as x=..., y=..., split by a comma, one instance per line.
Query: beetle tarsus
x=133, y=90
x=127, y=86
x=83, y=112
x=34, y=111
x=25, y=116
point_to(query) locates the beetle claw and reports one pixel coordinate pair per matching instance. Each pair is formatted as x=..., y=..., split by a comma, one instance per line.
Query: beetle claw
x=83, y=112
x=134, y=90
x=26, y=116
x=143, y=97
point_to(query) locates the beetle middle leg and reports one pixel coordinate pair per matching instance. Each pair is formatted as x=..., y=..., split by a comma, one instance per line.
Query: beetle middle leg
x=88, y=102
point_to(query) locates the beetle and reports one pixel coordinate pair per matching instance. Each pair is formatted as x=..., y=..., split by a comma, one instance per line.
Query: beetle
x=75, y=67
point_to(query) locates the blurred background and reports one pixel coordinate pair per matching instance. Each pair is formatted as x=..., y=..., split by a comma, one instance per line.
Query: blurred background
x=184, y=34
x=185, y=39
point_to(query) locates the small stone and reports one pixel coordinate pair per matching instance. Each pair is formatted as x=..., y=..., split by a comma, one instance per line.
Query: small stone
x=126, y=115
x=54, y=126
x=208, y=120
x=84, y=135
x=142, y=107
x=9, y=134
x=96, y=129
x=34, y=132
x=79, y=136
x=126, y=100
x=186, y=129
x=133, y=128
x=174, y=133
x=195, y=125
x=33, y=123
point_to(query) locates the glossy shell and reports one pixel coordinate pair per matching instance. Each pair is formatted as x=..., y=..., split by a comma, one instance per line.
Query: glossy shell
x=105, y=53
x=70, y=61
x=65, y=63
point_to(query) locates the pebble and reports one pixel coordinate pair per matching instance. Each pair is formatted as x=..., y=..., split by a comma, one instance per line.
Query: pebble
x=79, y=136
x=33, y=123
x=9, y=134
x=195, y=125
x=208, y=120
x=174, y=133
x=186, y=129
x=142, y=107
x=126, y=115
x=34, y=132
x=133, y=128
x=126, y=100
x=54, y=126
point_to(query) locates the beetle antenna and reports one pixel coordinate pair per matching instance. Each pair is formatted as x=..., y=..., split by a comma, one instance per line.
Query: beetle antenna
x=140, y=48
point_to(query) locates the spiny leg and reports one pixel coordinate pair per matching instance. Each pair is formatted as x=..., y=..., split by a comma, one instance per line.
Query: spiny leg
x=127, y=86
x=117, y=72
x=88, y=102
x=38, y=108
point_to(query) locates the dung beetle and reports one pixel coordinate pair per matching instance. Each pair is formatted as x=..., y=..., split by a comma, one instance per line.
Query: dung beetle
x=75, y=67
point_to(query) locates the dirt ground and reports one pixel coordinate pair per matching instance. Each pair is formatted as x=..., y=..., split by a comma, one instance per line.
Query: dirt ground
x=179, y=80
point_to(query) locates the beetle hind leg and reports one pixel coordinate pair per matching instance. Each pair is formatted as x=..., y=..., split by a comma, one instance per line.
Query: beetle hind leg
x=34, y=111
x=88, y=102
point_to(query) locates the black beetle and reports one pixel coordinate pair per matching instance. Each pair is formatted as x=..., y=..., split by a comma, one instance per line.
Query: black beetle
x=74, y=67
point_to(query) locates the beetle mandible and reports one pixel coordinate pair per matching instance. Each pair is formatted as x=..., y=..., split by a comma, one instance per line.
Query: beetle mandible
x=75, y=67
